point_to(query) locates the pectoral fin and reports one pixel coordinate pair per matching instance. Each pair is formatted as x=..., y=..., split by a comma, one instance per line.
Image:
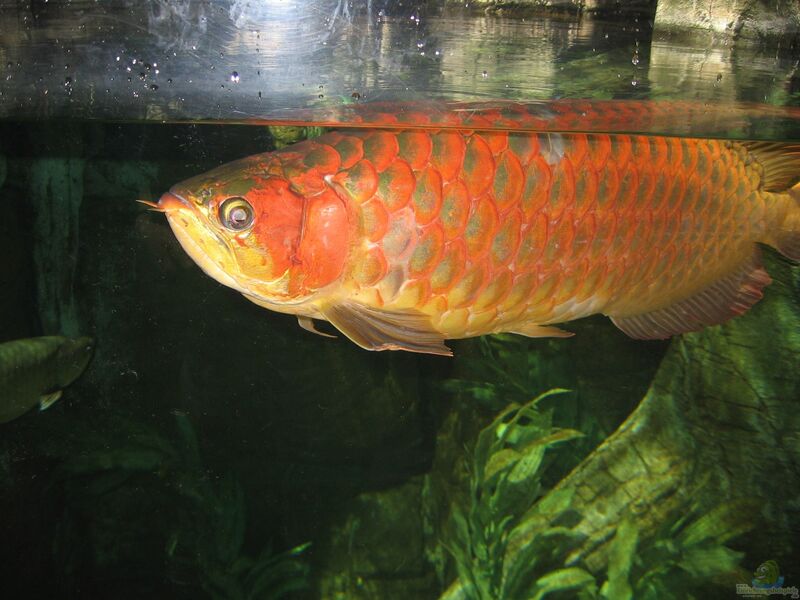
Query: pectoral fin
x=48, y=400
x=375, y=329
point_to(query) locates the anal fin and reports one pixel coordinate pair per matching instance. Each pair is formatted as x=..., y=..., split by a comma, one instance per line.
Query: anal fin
x=375, y=329
x=538, y=331
x=724, y=299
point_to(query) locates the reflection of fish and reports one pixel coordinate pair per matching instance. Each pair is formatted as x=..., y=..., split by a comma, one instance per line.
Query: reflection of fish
x=404, y=238
x=34, y=371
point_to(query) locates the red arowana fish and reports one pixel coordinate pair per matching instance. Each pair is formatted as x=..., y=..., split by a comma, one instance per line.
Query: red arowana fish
x=404, y=238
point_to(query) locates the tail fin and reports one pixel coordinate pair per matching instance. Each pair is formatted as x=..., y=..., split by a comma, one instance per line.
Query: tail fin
x=788, y=238
x=781, y=172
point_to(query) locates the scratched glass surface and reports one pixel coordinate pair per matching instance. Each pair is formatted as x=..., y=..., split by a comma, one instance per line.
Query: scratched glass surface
x=233, y=61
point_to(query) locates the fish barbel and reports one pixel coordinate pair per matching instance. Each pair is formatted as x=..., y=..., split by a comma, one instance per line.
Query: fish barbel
x=35, y=370
x=405, y=238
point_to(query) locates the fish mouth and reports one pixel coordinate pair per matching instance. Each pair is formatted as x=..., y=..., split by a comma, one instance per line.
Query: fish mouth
x=198, y=239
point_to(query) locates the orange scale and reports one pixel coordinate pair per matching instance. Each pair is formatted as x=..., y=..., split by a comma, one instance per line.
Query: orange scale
x=482, y=322
x=607, y=188
x=427, y=196
x=674, y=154
x=599, y=150
x=464, y=292
x=350, y=149
x=303, y=180
x=454, y=322
x=481, y=227
x=447, y=153
x=628, y=185
x=412, y=294
x=455, y=209
x=381, y=149
x=374, y=220
x=640, y=149
x=532, y=244
x=704, y=160
x=331, y=138
x=450, y=268
x=427, y=252
x=688, y=155
x=506, y=242
x=584, y=235
x=524, y=145
x=662, y=191
x=569, y=284
x=585, y=190
x=497, y=140
x=509, y=181
x=519, y=292
x=396, y=184
x=497, y=289
x=544, y=288
x=415, y=148
x=538, y=178
x=643, y=198
x=435, y=305
x=577, y=149
x=360, y=181
x=478, y=170
x=559, y=244
x=621, y=148
x=322, y=157
x=400, y=236
x=562, y=190
x=592, y=283
x=605, y=230
x=659, y=153
x=370, y=267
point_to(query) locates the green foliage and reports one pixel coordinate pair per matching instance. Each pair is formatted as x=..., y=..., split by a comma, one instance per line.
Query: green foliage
x=205, y=515
x=513, y=542
x=504, y=483
x=687, y=554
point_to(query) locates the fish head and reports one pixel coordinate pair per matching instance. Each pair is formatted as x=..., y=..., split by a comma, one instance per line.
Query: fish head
x=72, y=358
x=241, y=223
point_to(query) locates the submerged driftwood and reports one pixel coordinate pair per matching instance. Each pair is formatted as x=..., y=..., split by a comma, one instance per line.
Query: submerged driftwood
x=719, y=424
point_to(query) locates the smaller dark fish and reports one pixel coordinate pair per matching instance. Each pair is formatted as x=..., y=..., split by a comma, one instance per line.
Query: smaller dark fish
x=35, y=370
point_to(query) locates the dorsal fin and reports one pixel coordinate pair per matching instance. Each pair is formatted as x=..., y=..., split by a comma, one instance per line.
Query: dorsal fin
x=725, y=298
x=781, y=164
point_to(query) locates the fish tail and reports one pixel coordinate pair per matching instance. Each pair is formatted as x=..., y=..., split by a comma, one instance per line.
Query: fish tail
x=780, y=163
x=788, y=236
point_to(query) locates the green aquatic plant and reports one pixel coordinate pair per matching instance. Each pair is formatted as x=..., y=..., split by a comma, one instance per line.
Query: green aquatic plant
x=202, y=520
x=505, y=481
x=514, y=542
x=685, y=556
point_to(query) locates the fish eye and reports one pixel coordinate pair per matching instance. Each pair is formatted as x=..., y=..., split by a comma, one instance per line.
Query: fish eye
x=236, y=214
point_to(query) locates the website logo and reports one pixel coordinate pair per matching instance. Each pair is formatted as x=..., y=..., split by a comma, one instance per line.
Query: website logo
x=767, y=581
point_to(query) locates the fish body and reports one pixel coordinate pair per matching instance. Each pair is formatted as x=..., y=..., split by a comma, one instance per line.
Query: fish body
x=35, y=370
x=404, y=238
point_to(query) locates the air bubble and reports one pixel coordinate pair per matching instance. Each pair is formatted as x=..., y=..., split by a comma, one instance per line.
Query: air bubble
x=235, y=77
